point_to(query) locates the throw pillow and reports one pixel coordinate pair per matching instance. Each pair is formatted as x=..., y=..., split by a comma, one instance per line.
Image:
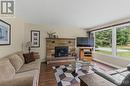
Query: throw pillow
x=28, y=57
x=16, y=61
x=126, y=81
x=21, y=56
x=36, y=55
x=128, y=67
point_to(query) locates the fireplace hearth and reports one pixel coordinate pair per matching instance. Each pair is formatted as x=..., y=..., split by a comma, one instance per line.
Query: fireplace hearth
x=61, y=51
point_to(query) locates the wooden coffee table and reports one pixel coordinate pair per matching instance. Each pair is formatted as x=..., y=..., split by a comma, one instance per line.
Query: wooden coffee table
x=94, y=80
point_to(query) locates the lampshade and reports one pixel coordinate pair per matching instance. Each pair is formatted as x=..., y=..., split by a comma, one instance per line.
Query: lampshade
x=28, y=44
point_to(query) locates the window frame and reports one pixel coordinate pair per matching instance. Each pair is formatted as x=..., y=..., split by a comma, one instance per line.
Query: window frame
x=95, y=40
x=114, y=41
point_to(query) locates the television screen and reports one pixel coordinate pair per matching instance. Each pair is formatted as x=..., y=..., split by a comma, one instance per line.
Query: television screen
x=85, y=42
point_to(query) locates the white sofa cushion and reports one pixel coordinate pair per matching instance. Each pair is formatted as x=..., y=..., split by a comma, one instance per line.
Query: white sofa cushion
x=7, y=71
x=35, y=65
x=22, y=81
x=32, y=73
x=126, y=81
x=16, y=61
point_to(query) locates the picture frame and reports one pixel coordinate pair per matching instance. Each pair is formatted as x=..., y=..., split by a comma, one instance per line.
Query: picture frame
x=35, y=38
x=5, y=33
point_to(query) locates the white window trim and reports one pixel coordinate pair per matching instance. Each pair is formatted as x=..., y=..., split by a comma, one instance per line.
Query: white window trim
x=94, y=41
x=114, y=41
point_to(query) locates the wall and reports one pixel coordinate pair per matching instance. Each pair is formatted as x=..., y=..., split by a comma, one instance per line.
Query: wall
x=62, y=32
x=17, y=36
x=43, y=35
x=68, y=32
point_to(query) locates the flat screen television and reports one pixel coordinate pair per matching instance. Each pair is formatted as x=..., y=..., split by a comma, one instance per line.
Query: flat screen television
x=85, y=42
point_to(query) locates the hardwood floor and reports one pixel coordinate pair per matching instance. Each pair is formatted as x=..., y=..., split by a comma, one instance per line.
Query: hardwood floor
x=47, y=77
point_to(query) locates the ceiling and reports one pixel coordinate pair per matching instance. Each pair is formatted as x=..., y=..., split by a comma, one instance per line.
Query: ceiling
x=76, y=13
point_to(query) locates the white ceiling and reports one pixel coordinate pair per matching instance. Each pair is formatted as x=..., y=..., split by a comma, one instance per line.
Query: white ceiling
x=77, y=13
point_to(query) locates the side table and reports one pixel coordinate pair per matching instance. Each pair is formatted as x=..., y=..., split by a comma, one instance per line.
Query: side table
x=31, y=56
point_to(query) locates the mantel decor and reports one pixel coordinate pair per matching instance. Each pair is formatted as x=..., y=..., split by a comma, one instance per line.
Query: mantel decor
x=52, y=35
x=5, y=33
x=35, y=38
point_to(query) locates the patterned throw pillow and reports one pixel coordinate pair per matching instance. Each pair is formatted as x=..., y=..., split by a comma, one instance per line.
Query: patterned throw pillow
x=126, y=81
x=16, y=61
x=29, y=57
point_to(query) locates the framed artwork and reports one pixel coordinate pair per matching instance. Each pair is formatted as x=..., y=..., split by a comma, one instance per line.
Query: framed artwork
x=5, y=33
x=35, y=38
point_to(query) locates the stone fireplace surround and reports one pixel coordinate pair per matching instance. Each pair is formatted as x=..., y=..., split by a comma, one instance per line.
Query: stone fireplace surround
x=66, y=44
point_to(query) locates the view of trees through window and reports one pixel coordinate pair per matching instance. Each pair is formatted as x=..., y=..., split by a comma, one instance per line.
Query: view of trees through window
x=103, y=41
x=123, y=41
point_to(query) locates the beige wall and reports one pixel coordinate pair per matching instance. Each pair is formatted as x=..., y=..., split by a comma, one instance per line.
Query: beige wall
x=43, y=35
x=68, y=32
x=62, y=32
x=17, y=36
x=20, y=34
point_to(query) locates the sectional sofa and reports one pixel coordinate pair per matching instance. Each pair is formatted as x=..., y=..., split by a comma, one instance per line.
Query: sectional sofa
x=120, y=77
x=14, y=71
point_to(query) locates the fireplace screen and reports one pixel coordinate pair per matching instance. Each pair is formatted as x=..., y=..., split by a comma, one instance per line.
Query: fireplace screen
x=61, y=51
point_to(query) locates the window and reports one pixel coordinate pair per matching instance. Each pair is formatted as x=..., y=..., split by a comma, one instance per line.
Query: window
x=113, y=41
x=123, y=41
x=103, y=41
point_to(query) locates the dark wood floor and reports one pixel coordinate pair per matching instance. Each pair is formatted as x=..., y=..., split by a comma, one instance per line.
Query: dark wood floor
x=47, y=77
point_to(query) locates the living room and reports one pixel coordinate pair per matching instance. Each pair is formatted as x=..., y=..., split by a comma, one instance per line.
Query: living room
x=39, y=33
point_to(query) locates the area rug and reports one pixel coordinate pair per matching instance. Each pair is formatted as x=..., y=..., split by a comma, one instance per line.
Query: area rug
x=66, y=77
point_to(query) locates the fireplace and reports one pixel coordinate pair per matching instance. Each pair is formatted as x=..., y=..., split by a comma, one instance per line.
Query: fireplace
x=61, y=51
